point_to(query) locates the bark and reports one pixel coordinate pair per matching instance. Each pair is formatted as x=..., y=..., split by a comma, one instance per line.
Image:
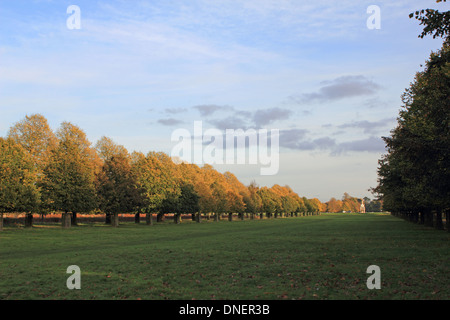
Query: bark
x=421, y=217
x=199, y=217
x=74, y=219
x=160, y=217
x=107, y=218
x=230, y=217
x=1, y=221
x=137, y=218
x=177, y=218
x=429, y=218
x=149, y=219
x=447, y=220
x=115, y=220
x=439, y=225
x=193, y=216
x=28, y=220
x=261, y=216
x=66, y=220
x=216, y=216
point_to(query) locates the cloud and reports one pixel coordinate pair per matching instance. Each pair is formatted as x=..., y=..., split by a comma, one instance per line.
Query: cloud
x=296, y=139
x=266, y=116
x=299, y=139
x=369, y=126
x=232, y=122
x=339, y=88
x=209, y=109
x=169, y=122
x=176, y=110
x=371, y=144
x=292, y=137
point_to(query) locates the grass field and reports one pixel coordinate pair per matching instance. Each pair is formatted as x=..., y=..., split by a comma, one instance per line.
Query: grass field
x=317, y=257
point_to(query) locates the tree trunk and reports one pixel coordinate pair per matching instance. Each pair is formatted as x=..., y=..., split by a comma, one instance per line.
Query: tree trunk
x=439, y=225
x=428, y=218
x=230, y=217
x=66, y=220
x=28, y=220
x=199, y=217
x=160, y=217
x=252, y=216
x=1, y=221
x=107, y=218
x=149, y=219
x=74, y=219
x=421, y=217
x=216, y=216
x=137, y=218
x=193, y=216
x=177, y=218
x=115, y=220
x=447, y=220
x=241, y=215
x=261, y=216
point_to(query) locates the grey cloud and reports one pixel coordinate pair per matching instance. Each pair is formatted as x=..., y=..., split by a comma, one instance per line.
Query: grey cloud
x=169, y=122
x=175, y=110
x=339, y=88
x=209, y=109
x=292, y=137
x=371, y=144
x=369, y=126
x=266, y=116
x=296, y=139
x=232, y=122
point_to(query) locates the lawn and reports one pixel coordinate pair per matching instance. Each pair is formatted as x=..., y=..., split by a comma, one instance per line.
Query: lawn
x=315, y=257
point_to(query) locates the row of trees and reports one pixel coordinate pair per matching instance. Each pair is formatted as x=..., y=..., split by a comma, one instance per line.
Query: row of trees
x=352, y=204
x=414, y=175
x=42, y=171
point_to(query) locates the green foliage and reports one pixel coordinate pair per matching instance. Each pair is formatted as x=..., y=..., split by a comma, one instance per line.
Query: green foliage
x=18, y=191
x=415, y=173
x=70, y=173
x=435, y=23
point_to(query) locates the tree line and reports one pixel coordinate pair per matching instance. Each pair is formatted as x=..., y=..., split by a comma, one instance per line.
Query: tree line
x=414, y=175
x=42, y=172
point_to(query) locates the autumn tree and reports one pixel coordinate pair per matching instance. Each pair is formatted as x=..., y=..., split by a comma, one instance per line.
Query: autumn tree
x=37, y=139
x=69, y=176
x=18, y=191
x=188, y=200
x=117, y=190
x=253, y=201
x=334, y=205
x=271, y=201
x=235, y=195
x=159, y=178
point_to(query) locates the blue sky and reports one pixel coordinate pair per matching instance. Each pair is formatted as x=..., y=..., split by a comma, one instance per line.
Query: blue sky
x=138, y=70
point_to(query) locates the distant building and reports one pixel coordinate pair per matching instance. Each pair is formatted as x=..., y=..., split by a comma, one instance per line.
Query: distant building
x=362, y=208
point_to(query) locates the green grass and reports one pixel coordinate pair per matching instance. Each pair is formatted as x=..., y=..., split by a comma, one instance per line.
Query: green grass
x=318, y=257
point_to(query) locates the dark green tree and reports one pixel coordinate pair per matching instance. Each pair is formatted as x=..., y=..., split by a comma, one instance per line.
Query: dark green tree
x=414, y=175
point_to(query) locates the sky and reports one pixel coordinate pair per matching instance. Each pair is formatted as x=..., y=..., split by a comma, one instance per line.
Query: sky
x=138, y=71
